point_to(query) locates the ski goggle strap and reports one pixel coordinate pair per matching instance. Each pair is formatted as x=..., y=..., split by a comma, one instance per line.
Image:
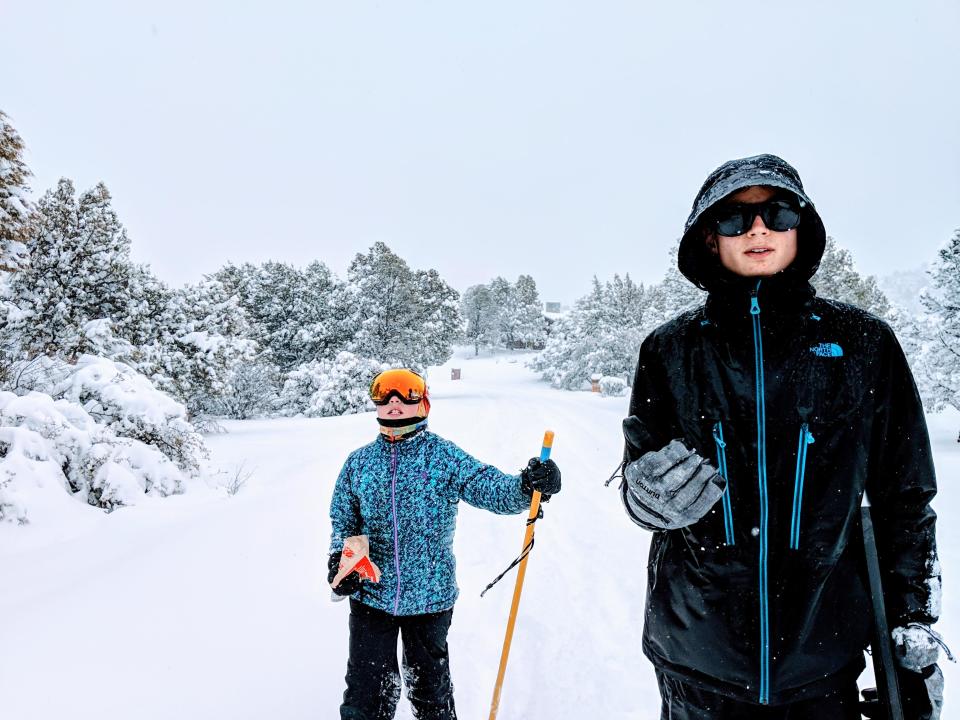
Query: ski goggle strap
x=407, y=385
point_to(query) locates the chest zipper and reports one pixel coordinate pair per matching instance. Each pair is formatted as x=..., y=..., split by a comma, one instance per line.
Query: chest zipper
x=806, y=438
x=722, y=468
x=764, y=503
x=396, y=532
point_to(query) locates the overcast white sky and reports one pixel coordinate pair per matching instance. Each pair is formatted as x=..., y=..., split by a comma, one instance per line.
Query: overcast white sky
x=546, y=137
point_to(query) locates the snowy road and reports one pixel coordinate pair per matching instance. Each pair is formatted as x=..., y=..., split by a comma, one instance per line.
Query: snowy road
x=208, y=606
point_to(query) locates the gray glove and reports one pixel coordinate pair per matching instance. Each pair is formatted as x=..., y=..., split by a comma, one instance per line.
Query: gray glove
x=916, y=646
x=670, y=488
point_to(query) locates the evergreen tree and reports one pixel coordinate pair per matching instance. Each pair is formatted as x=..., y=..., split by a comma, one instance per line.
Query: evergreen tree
x=202, y=341
x=15, y=206
x=505, y=299
x=837, y=279
x=79, y=271
x=398, y=316
x=531, y=328
x=480, y=314
x=147, y=300
x=672, y=296
x=506, y=315
x=438, y=317
x=941, y=369
x=295, y=315
x=601, y=336
x=381, y=296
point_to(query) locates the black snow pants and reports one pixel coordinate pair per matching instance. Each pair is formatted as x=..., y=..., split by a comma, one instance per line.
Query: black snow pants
x=682, y=701
x=373, y=678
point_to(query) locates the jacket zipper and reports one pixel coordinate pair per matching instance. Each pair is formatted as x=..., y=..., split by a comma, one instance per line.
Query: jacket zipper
x=396, y=541
x=764, y=509
x=722, y=467
x=806, y=438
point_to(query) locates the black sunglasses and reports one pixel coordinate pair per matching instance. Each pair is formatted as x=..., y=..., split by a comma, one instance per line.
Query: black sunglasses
x=735, y=219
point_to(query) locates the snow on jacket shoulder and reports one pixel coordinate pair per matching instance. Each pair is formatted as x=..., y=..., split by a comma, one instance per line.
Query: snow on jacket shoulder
x=405, y=496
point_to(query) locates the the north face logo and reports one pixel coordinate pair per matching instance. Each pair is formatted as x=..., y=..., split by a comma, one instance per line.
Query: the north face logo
x=827, y=350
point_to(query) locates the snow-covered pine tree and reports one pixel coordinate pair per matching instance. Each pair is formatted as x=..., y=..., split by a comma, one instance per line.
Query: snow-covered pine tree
x=390, y=318
x=505, y=299
x=381, y=295
x=15, y=206
x=79, y=271
x=480, y=314
x=295, y=315
x=600, y=336
x=941, y=366
x=438, y=316
x=838, y=279
x=531, y=327
x=672, y=296
x=147, y=297
x=202, y=341
x=326, y=329
x=37, y=301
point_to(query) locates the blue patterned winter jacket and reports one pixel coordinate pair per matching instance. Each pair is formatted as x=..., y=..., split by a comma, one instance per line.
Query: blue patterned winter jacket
x=404, y=496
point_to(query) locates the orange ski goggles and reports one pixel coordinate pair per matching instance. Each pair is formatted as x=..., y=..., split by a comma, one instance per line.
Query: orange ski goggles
x=407, y=385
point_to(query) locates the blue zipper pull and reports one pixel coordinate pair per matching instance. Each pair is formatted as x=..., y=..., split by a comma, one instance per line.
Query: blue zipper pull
x=754, y=303
x=716, y=437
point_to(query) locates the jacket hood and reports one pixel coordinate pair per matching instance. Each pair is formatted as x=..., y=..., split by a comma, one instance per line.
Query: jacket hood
x=702, y=267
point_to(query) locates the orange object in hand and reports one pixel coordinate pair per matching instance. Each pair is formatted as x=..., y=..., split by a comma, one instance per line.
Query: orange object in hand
x=355, y=557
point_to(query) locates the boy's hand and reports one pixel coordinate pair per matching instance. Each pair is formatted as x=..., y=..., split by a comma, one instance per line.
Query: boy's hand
x=541, y=476
x=672, y=487
x=348, y=585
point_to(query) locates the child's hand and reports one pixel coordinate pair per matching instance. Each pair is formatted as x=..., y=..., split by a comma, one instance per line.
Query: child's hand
x=541, y=476
x=348, y=585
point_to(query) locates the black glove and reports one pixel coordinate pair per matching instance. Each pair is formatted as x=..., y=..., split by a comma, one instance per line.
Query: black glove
x=542, y=476
x=348, y=585
x=921, y=695
x=870, y=706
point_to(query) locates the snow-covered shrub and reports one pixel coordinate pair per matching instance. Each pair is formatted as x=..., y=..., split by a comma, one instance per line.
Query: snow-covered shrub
x=611, y=386
x=330, y=387
x=202, y=339
x=601, y=335
x=252, y=391
x=47, y=443
x=940, y=371
x=39, y=374
x=130, y=406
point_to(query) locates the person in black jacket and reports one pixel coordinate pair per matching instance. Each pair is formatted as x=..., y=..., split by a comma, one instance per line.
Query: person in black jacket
x=757, y=422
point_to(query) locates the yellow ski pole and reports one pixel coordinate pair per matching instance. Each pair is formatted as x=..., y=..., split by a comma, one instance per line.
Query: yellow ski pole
x=518, y=588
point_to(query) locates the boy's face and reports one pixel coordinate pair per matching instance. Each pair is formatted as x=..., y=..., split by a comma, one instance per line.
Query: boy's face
x=396, y=410
x=758, y=252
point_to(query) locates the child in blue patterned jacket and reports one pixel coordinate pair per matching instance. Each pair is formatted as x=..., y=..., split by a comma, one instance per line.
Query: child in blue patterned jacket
x=402, y=491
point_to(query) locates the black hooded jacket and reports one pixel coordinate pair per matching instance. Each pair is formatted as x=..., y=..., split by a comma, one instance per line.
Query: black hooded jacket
x=803, y=404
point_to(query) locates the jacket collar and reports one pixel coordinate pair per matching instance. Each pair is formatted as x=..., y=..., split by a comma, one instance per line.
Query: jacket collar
x=782, y=295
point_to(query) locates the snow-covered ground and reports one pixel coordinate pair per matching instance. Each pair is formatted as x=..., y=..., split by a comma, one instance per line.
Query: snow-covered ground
x=215, y=606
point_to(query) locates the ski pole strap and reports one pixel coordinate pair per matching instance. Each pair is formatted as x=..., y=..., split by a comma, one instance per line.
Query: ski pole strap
x=617, y=473
x=519, y=559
